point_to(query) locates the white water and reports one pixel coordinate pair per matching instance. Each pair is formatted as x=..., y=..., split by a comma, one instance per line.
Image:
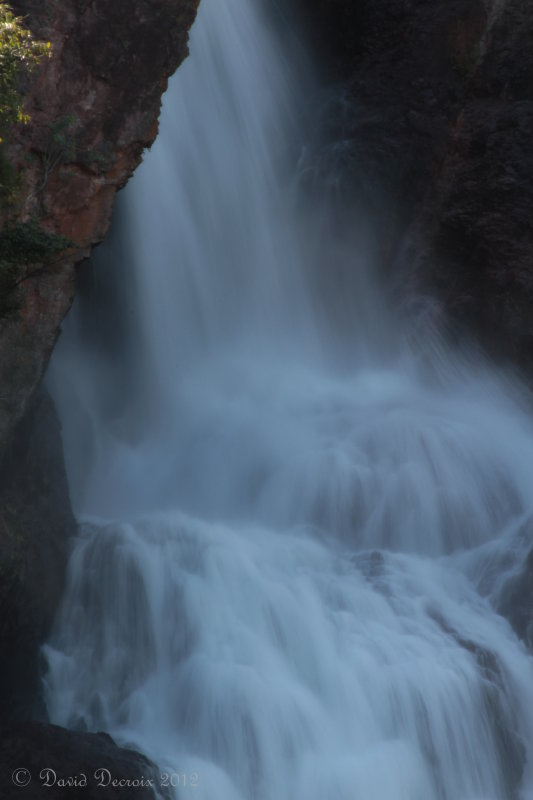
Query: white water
x=297, y=517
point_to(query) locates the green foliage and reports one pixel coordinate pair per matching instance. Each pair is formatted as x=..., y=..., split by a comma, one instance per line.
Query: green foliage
x=10, y=181
x=9, y=299
x=61, y=139
x=26, y=249
x=22, y=246
x=97, y=158
x=60, y=146
x=28, y=243
x=19, y=53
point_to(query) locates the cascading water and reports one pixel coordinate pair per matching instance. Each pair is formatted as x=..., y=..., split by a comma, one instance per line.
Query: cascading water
x=295, y=522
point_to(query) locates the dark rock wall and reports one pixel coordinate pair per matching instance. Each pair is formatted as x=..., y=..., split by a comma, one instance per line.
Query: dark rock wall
x=36, y=523
x=442, y=94
x=404, y=67
x=39, y=761
x=477, y=227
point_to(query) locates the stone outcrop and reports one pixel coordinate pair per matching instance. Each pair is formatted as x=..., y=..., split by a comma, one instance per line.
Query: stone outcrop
x=39, y=761
x=516, y=601
x=93, y=107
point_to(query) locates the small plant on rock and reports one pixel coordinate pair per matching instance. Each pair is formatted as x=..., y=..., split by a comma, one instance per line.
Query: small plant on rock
x=26, y=250
x=19, y=53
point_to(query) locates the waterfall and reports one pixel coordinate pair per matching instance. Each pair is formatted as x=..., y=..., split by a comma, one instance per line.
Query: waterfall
x=297, y=515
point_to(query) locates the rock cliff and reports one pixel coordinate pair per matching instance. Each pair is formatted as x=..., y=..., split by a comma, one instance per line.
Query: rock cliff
x=441, y=96
x=93, y=108
x=476, y=231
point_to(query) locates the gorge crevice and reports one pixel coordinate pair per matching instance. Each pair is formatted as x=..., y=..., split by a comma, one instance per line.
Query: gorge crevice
x=434, y=109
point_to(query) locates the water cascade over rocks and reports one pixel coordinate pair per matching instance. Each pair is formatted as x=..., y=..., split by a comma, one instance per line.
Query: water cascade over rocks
x=298, y=512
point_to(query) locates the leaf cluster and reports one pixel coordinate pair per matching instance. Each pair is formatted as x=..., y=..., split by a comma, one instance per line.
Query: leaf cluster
x=24, y=245
x=19, y=54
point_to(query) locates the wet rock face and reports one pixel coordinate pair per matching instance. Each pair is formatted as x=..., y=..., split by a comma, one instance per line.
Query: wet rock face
x=398, y=33
x=403, y=66
x=442, y=95
x=480, y=254
x=36, y=523
x=516, y=602
x=94, y=107
x=38, y=761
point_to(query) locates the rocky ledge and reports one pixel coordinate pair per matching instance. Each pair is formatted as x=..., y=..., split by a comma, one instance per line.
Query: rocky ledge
x=39, y=761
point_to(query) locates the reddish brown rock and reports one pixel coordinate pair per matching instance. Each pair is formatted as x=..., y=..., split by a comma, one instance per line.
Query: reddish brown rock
x=94, y=107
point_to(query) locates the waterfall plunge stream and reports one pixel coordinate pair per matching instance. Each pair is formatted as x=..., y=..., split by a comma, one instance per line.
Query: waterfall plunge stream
x=297, y=523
